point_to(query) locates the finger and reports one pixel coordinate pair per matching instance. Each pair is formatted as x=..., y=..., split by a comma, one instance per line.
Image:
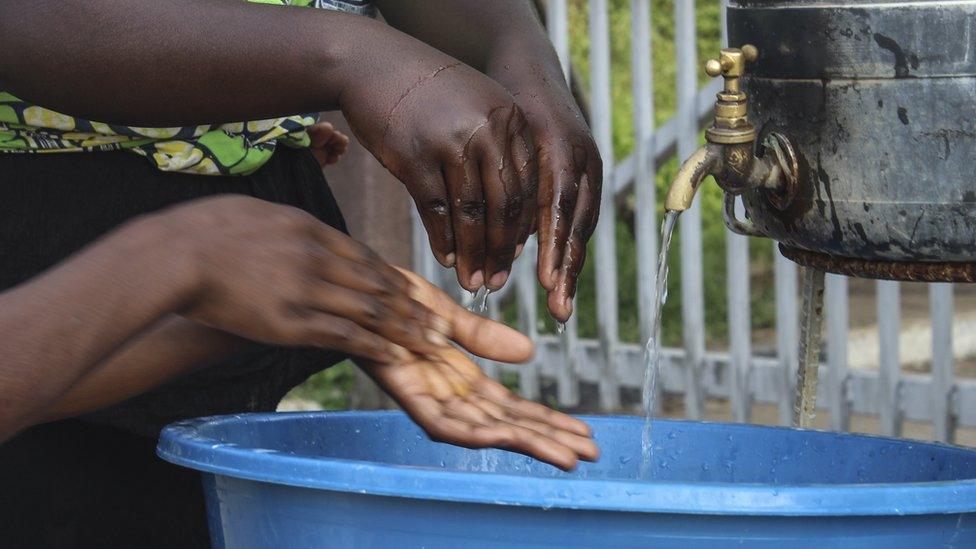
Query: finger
x=477, y=334
x=320, y=133
x=513, y=437
x=496, y=392
x=468, y=221
x=342, y=251
x=560, y=300
x=528, y=442
x=318, y=329
x=429, y=193
x=489, y=339
x=338, y=142
x=360, y=276
x=376, y=315
x=525, y=157
x=462, y=408
x=441, y=427
x=557, y=206
x=503, y=197
x=585, y=218
x=583, y=446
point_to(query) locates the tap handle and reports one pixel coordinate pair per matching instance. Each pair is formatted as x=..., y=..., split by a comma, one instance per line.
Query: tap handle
x=731, y=63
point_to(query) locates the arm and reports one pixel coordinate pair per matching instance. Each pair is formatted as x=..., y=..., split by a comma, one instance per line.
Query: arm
x=160, y=63
x=505, y=39
x=227, y=265
x=57, y=327
x=433, y=121
x=172, y=347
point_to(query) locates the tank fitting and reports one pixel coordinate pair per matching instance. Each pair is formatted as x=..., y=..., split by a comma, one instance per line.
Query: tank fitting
x=730, y=154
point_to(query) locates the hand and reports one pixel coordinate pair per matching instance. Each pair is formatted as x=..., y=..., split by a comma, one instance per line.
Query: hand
x=460, y=144
x=570, y=175
x=454, y=402
x=328, y=143
x=275, y=274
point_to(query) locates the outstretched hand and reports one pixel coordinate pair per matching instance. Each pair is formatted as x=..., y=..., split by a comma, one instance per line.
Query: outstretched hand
x=455, y=402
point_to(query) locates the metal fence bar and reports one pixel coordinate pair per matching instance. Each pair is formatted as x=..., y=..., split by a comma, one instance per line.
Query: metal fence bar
x=645, y=211
x=666, y=137
x=943, y=363
x=557, y=24
x=491, y=367
x=692, y=287
x=567, y=382
x=740, y=318
x=836, y=303
x=889, y=372
x=606, y=255
x=916, y=393
x=787, y=331
x=528, y=313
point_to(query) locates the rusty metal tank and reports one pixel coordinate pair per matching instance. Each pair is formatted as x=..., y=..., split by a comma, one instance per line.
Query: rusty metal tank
x=879, y=102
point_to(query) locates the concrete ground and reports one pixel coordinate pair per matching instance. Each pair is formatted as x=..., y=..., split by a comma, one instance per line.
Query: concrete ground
x=768, y=414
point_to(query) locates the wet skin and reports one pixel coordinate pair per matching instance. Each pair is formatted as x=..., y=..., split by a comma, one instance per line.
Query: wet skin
x=193, y=284
x=474, y=116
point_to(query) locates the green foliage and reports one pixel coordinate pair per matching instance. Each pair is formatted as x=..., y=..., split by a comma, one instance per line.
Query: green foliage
x=329, y=388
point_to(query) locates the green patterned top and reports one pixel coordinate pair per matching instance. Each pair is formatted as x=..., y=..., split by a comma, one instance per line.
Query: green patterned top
x=226, y=149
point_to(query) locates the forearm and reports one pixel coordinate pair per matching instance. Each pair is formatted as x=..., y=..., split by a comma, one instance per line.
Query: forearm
x=171, y=348
x=185, y=62
x=58, y=326
x=503, y=38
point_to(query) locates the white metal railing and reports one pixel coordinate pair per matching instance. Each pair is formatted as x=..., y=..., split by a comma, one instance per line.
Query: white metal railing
x=693, y=371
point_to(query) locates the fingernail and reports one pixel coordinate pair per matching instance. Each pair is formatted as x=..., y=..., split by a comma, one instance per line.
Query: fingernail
x=449, y=259
x=518, y=250
x=440, y=324
x=435, y=337
x=498, y=280
x=477, y=279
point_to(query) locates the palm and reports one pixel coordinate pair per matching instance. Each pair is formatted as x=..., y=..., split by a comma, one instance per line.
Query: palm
x=455, y=402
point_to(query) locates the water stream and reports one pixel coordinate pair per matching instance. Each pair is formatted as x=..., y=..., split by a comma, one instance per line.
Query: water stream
x=652, y=350
x=479, y=300
x=811, y=318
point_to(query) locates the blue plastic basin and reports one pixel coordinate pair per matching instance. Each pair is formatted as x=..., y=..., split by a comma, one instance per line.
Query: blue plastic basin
x=373, y=479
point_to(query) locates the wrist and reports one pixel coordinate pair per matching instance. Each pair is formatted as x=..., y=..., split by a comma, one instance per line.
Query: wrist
x=162, y=256
x=527, y=63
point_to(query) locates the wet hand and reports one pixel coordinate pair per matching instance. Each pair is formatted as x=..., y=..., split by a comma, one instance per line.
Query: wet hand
x=277, y=275
x=455, y=402
x=460, y=144
x=570, y=177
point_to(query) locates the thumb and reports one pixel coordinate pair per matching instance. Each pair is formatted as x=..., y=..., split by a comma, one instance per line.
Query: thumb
x=489, y=339
x=476, y=334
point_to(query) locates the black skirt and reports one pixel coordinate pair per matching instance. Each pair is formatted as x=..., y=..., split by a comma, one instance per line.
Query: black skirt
x=95, y=481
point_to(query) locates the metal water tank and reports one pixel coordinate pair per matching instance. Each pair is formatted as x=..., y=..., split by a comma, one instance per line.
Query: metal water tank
x=879, y=101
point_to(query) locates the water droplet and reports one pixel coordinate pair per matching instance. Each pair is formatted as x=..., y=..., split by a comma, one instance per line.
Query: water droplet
x=624, y=460
x=561, y=327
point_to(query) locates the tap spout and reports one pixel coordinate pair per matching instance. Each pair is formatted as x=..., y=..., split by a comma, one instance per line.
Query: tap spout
x=699, y=165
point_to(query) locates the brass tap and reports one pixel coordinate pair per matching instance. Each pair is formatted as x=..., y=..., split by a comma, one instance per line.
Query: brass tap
x=729, y=155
